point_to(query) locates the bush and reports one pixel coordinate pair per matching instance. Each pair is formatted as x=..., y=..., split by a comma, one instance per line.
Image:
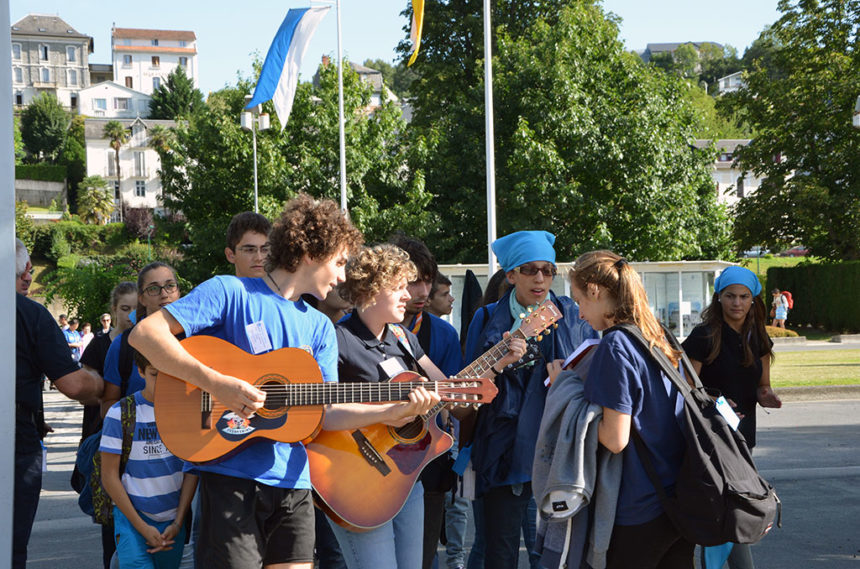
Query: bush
x=85, y=288
x=24, y=226
x=83, y=239
x=59, y=246
x=825, y=295
x=42, y=172
x=775, y=332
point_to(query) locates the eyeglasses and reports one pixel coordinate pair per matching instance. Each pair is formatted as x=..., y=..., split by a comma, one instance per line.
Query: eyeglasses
x=155, y=290
x=531, y=270
x=28, y=272
x=105, y=319
x=252, y=250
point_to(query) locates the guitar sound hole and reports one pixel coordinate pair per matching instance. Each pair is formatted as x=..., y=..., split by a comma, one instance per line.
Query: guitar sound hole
x=411, y=430
x=274, y=395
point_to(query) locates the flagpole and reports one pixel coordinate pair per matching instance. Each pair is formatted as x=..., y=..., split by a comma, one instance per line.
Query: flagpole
x=341, y=123
x=489, y=142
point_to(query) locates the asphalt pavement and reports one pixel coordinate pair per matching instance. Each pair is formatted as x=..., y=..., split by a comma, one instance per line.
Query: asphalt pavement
x=810, y=450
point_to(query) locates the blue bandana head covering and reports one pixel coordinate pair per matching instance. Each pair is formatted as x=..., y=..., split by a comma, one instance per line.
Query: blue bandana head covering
x=524, y=247
x=738, y=275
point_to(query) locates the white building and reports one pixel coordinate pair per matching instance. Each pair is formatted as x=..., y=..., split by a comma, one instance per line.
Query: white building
x=112, y=100
x=48, y=55
x=730, y=83
x=138, y=182
x=142, y=59
x=731, y=183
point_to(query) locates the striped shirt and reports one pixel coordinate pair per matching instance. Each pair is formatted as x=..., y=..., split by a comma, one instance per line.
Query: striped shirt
x=153, y=476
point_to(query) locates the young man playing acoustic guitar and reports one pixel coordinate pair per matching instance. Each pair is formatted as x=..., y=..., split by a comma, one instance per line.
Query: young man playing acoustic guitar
x=256, y=503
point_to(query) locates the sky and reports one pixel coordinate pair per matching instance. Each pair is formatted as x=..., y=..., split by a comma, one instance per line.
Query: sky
x=228, y=38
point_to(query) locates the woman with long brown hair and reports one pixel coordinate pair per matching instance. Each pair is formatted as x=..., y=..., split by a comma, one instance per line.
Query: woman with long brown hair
x=627, y=383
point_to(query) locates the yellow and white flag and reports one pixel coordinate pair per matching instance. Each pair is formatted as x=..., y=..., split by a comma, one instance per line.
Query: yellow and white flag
x=417, y=24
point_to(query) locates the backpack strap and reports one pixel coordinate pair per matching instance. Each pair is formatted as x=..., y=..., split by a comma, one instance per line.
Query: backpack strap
x=403, y=342
x=128, y=418
x=125, y=362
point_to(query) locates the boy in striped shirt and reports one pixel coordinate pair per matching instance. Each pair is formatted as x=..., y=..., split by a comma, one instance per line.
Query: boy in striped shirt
x=153, y=495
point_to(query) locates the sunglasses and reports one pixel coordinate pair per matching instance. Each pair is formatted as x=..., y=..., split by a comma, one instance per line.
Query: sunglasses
x=531, y=270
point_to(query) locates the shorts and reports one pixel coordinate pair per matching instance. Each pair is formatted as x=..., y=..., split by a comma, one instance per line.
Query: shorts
x=247, y=524
x=131, y=546
x=781, y=313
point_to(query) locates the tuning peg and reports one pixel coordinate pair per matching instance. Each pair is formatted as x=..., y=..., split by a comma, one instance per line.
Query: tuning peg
x=522, y=315
x=539, y=337
x=529, y=308
x=555, y=325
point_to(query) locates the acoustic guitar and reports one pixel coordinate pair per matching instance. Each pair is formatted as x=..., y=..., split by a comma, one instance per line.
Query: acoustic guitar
x=363, y=477
x=196, y=427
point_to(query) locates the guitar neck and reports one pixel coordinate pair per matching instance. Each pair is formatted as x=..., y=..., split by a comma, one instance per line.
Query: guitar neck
x=490, y=358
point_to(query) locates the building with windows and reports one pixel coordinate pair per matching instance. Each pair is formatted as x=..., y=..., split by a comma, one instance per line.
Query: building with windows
x=142, y=59
x=730, y=182
x=49, y=56
x=730, y=83
x=112, y=100
x=137, y=180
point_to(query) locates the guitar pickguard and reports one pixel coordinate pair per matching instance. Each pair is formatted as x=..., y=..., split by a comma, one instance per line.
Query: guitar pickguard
x=408, y=457
x=234, y=428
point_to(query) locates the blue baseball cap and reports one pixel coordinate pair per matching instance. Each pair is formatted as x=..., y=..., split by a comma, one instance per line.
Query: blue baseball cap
x=738, y=275
x=524, y=247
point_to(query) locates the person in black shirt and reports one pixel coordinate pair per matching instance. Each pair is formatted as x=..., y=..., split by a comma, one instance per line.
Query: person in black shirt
x=40, y=349
x=732, y=353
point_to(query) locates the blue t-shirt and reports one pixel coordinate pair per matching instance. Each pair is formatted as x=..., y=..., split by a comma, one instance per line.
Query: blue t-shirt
x=73, y=337
x=625, y=378
x=224, y=307
x=112, y=375
x=153, y=476
x=444, y=346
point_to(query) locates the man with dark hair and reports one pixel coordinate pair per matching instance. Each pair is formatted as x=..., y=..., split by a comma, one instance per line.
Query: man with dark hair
x=256, y=503
x=63, y=321
x=441, y=301
x=248, y=243
x=73, y=338
x=40, y=349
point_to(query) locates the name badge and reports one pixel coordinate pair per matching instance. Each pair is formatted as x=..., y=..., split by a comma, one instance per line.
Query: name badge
x=727, y=412
x=258, y=337
x=392, y=366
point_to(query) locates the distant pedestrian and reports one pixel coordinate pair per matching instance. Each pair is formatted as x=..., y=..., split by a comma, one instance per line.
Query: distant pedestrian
x=779, y=308
x=732, y=353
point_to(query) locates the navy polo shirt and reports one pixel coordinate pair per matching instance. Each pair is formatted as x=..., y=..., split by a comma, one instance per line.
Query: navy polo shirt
x=361, y=355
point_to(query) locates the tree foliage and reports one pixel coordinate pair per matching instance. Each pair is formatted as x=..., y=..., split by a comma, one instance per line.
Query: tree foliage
x=118, y=136
x=396, y=76
x=176, y=97
x=74, y=157
x=95, y=200
x=43, y=127
x=800, y=96
x=590, y=144
x=207, y=164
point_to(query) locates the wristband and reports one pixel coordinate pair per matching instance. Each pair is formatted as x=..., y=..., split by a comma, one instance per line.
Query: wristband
x=493, y=369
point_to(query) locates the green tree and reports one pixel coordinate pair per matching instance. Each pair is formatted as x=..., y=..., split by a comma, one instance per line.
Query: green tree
x=74, y=156
x=800, y=103
x=207, y=164
x=24, y=226
x=43, y=127
x=396, y=76
x=686, y=59
x=118, y=136
x=590, y=144
x=19, y=142
x=95, y=200
x=717, y=63
x=176, y=97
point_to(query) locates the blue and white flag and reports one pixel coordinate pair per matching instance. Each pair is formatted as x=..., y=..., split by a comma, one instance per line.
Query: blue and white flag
x=280, y=73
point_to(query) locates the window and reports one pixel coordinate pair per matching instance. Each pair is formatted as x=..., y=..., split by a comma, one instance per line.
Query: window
x=70, y=54
x=740, y=187
x=156, y=61
x=46, y=75
x=126, y=61
x=73, y=101
x=19, y=98
x=129, y=83
x=156, y=83
x=100, y=104
x=139, y=164
x=120, y=104
x=116, y=189
x=182, y=43
x=111, y=161
x=73, y=77
x=19, y=75
x=155, y=42
x=43, y=52
x=140, y=188
x=16, y=51
x=183, y=61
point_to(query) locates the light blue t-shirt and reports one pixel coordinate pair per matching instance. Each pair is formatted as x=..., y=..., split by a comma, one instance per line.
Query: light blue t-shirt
x=224, y=307
x=153, y=476
x=625, y=378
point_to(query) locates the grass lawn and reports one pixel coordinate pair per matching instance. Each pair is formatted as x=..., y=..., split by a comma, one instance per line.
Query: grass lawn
x=761, y=265
x=825, y=367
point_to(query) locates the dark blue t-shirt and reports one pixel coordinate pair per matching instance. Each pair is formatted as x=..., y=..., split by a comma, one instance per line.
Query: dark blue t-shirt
x=625, y=378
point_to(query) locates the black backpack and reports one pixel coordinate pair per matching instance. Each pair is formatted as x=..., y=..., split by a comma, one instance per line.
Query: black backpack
x=719, y=495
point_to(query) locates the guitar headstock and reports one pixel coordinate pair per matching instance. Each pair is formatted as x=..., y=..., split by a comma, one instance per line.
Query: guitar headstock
x=540, y=319
x=467, y=390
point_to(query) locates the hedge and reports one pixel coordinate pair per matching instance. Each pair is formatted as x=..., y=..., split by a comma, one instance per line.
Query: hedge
x=825, y=295
x=56, y=240
x=42, y=172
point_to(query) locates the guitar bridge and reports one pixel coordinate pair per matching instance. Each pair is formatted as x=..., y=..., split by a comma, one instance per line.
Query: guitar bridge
x=370, y=454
